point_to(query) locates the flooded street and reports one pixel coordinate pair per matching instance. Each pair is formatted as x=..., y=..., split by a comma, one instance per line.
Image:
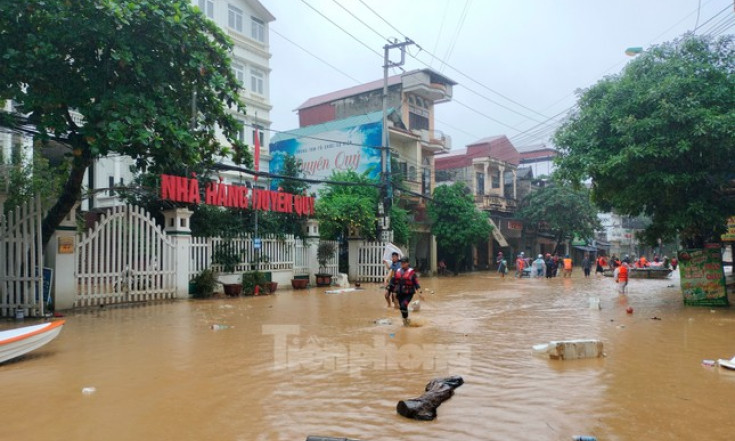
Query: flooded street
x=306, y=362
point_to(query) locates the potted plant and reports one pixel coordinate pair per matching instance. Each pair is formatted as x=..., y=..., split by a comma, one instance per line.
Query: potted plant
x=203, y=284
x=226, y=255
x=324, y=252
x=300, y=282
x=253, y=279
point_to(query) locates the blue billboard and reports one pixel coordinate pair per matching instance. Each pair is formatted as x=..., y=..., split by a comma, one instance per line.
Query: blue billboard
x=347, y=144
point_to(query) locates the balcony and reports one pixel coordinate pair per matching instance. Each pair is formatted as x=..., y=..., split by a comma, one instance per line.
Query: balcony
x=495, y=203
x=422, y=84
x=435, y=141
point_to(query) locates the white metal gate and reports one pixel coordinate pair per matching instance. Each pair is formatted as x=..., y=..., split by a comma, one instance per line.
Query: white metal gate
x=126, y=257
x=370, y=266
x=21, y=260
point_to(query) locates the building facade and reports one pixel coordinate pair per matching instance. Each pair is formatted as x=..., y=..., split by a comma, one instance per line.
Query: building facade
x=489, y=168
x=413, y=138
x=539, y=158
x=246, y=22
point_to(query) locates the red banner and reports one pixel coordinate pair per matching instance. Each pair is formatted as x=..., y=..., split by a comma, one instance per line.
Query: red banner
x=180, y=189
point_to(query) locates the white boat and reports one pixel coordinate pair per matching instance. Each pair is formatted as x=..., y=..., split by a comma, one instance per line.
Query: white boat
x=19, y=341
x=727, y=364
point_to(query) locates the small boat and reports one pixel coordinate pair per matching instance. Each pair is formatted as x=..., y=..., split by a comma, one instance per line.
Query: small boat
x=644, y=273
x=19, y=341
x=727, y=364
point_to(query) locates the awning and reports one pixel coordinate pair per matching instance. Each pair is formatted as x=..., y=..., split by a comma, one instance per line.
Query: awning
x=585, y=248
x=497, y=235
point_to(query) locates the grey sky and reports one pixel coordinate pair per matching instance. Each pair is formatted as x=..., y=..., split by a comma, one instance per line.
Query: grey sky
x=531, y=51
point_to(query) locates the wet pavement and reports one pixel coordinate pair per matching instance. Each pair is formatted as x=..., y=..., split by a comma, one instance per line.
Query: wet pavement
x=305, y=362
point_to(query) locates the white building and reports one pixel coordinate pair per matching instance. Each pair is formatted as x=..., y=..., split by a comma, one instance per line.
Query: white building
x=246, y=22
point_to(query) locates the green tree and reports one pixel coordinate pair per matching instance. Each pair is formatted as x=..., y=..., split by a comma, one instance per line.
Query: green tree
x=292, y=169
x=27, y=178
x=130, y=68
x=340, y=208
x=658, y=138
x=562, y=209
x=456, y=222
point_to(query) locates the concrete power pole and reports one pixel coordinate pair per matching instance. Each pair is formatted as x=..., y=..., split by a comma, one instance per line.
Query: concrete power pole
x=386, y=203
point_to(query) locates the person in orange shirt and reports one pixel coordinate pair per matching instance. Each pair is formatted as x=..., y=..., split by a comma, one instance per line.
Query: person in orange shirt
x=601, y=264
x=621, y=276
x=642, y=262
x=520, y=264
x=567, y=266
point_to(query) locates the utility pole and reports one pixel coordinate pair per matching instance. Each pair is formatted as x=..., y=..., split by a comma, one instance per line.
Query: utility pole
x=386, y=203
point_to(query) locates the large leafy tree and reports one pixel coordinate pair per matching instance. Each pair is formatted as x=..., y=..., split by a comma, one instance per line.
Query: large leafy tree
x=456, y=222
x=565, y=211
x=132, y=69
x=659, y=138
x=350, y=201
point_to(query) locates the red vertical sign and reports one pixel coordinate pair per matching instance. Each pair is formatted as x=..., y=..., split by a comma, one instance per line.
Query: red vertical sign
x=256, y=155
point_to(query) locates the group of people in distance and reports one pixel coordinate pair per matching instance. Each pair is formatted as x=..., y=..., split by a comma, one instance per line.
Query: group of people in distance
x=544, y=266
x=401, y=284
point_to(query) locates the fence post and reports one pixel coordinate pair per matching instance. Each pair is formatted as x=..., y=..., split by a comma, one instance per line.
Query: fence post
x=177, y=228
x=61, y=254
x=353, y=257
x=311, y=242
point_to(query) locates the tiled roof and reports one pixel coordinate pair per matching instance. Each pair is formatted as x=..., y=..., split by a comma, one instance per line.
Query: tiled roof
x=496, y=147
x=351, y=91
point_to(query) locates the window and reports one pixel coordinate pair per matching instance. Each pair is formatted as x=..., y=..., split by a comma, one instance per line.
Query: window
x=207, y=7
x=111, y=185
x=256, y=81
x=261, y=136
x=257, y=29
x=239, y=70
x=426, y=178
x=496, y=179
x=417, y=122
x=480, y=183
x=240, y=136
x=234, y=18
x=402, y=170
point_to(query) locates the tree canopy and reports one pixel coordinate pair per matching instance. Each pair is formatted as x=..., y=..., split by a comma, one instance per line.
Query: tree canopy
x=455, y=221
x=659, y=138
x=563, y=210
x=340, y=208
x=132, y=69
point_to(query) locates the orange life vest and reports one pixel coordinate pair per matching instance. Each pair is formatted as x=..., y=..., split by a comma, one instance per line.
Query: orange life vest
x=405, y=279
x=567, y=264
x=623, y=273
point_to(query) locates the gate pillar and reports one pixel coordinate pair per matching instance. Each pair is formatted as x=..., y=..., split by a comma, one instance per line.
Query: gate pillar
x=178, y=229
x=60, y=254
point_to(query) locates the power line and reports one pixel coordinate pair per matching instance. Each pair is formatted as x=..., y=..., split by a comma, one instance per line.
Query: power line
x=712, y=18
x=342, y=29
x=360, y=20
x=315, y=56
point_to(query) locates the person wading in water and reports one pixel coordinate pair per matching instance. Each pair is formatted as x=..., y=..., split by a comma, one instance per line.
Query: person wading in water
x=406, y=284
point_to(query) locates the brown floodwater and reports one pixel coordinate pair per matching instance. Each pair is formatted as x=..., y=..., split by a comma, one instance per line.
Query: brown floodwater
x=306, y=362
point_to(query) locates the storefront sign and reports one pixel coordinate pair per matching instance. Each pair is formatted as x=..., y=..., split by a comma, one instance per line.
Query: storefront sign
x=702, y=276
x=66, y=245
x=730, y=235
x=180, y=189
x=338, y=148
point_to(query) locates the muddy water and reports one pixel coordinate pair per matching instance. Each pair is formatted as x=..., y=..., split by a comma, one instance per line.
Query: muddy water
x=307, y=362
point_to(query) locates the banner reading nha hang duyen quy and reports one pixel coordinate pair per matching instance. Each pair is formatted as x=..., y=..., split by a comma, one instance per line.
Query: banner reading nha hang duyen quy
x=702, y=276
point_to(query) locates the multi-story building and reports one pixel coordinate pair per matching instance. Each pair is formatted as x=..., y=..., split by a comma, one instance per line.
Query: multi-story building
x=412, y=137
x=246, y=22
x=489, y=168
x=538, y=157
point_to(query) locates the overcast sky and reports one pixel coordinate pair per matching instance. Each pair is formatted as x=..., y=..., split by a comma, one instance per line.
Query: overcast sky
x=535, y=53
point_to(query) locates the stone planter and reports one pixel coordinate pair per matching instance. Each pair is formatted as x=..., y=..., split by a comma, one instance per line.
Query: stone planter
x=232, y=289
x=299, y=283
x=323, y=279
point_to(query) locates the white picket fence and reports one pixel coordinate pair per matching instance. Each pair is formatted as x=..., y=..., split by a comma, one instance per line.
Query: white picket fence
x=332, y=266
x=125, y=257
x=370, y=266
x=21, y=260
x=301, y=259
x=275, y=254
